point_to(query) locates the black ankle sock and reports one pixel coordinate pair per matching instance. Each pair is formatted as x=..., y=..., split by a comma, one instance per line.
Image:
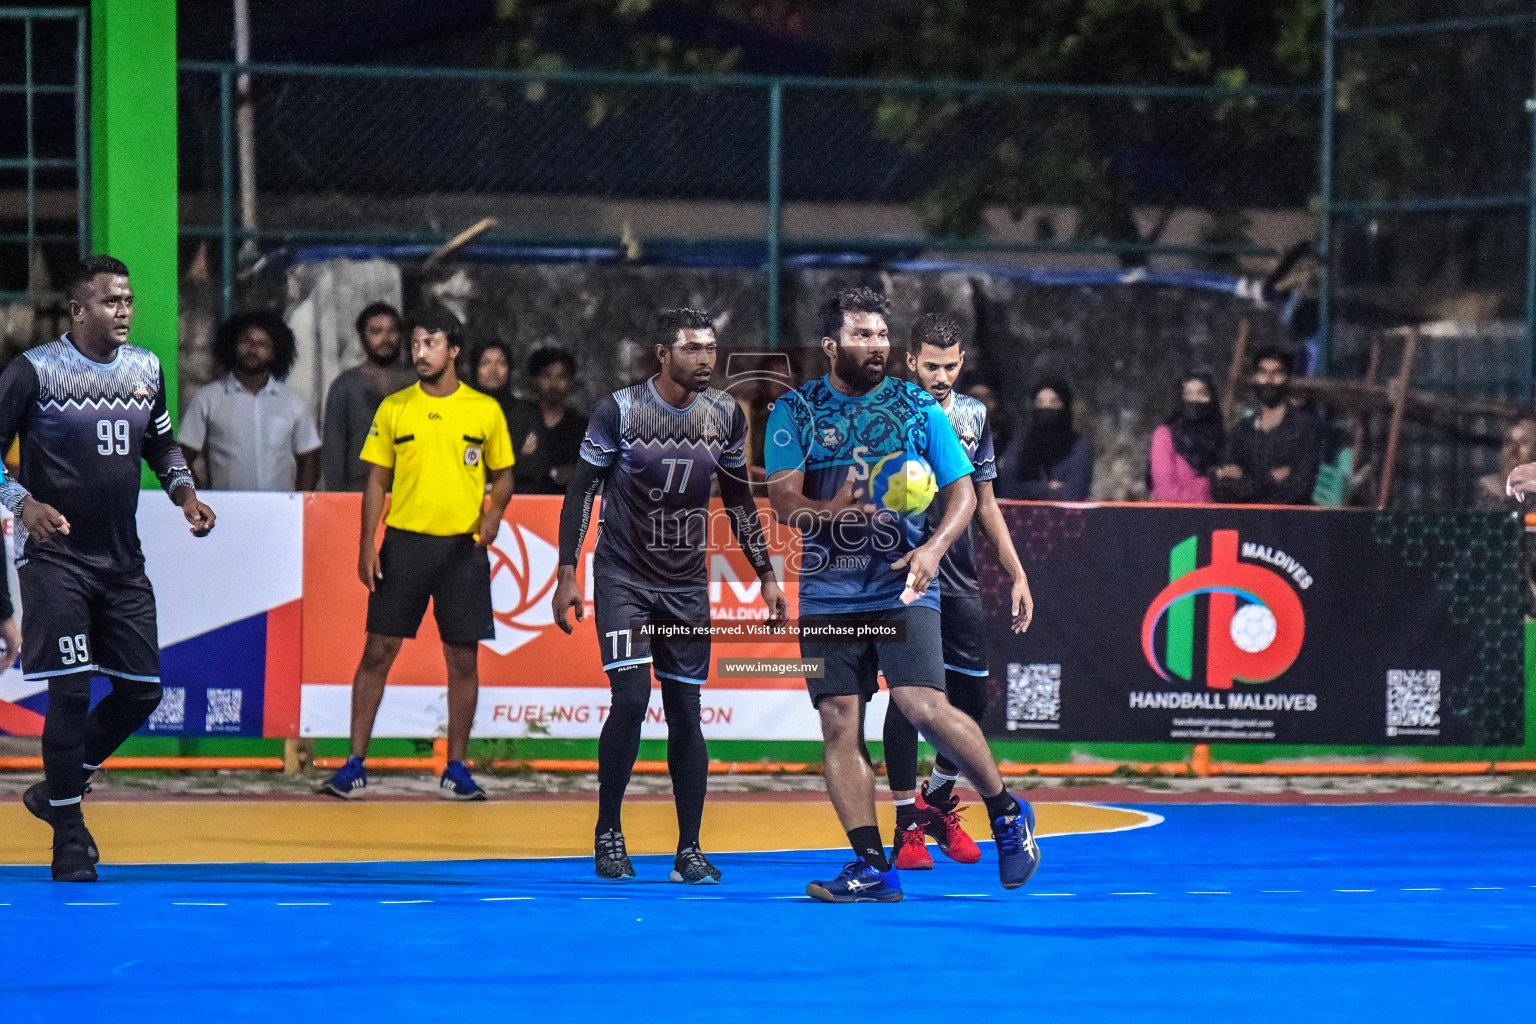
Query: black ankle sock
x=940, y=795
x=866, y=843
x=1001, y=805
x=906, y=815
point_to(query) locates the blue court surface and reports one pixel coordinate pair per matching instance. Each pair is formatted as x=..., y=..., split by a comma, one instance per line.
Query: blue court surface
x=1219, y=913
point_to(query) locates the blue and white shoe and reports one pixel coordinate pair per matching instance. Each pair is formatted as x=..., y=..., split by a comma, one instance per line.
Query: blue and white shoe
x=457, y=784
x=859, y=883
x=1018, y=855
x=349, y=782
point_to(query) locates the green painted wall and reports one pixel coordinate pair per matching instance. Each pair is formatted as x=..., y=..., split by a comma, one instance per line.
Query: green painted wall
x=133, y=163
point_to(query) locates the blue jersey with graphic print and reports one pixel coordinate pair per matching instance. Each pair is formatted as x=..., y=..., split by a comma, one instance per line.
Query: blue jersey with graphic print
x=824, y=433
x=661, y=460
x=957, y=571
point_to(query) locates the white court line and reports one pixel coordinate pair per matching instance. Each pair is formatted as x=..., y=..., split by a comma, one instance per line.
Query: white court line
x=91, y=904
x=1053, y=894
x=387, y=903
x=1133, y=894
x=602, y=897
x=199, y=904
x=1486, y=888
x=1354, y=890
x=303, y=904
x=1429, y=888
x=966, y=895
x=1281, y=890
x=503, y=899
x=701, y=897
x=1208, y=892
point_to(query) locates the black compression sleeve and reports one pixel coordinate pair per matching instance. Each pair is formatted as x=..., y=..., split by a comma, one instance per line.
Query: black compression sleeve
x=576, y=512
x=736, y=495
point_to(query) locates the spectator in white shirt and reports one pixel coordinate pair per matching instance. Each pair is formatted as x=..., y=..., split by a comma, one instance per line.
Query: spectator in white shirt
x=247, y=431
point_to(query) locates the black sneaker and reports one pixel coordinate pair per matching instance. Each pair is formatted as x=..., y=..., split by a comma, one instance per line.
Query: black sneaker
x=611, y=857
x=71, y=858
x=694, y=868
x=35, y=799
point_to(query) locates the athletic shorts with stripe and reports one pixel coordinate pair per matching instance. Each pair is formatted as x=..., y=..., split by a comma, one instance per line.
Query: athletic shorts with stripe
x=619, y=605
x=76, y=620
x=964, y=629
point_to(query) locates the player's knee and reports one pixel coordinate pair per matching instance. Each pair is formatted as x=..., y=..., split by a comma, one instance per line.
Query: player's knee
x=630, y=691
x=140, y=691
x=919, y=704
x=681, y=703
x=379, y=652
x=841, y=717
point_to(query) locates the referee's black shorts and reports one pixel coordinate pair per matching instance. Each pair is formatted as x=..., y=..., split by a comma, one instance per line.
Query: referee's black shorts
x=451, y=571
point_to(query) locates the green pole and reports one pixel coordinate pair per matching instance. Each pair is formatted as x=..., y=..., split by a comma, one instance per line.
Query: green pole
x=775, y=204
x=133, y=163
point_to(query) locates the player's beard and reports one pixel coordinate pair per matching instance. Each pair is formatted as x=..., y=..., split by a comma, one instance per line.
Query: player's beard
x=862, y=373
x=430, y=378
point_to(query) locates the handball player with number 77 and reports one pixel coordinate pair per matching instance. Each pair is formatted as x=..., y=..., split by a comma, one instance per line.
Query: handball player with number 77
x=88, y=407
x=653, y=449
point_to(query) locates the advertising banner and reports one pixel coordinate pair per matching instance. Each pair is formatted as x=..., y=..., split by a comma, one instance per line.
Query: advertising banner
x=228, y=617
x=534, y=679
x=1226, y=624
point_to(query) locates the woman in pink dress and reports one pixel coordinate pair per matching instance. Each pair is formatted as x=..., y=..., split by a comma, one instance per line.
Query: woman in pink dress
x=1188, y=447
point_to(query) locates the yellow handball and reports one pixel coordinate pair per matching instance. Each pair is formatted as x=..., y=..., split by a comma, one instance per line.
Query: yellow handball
x=903, y=483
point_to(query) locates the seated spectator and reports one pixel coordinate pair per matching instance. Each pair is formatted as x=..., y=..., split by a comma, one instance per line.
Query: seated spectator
x=247, y=431
x=1050, y=461
x=490, y=372
x=1489, y=494
x=552, y=447
x=1271, y=456
x=1187, y=448
x=355, y=394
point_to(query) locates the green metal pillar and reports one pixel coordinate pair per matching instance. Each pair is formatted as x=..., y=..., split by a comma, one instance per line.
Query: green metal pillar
x=133, y=161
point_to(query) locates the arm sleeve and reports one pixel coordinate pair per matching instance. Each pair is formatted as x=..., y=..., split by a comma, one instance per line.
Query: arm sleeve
x=18, y=397
x=305, y=437
x=1076, y=472
x=7, y=609
x=194, y=424
x=944, y=451
x=379, y=445
x=600, y=446
x=333, y=439
x=161, y=451
x=736, y=494
x=735, y=454
x=576, y=512
x=986, y=456
x=783, y=448
x=498, y=442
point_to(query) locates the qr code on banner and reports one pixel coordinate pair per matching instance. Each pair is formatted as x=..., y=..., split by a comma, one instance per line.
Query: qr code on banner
x=223, y=710
x=1413, y=702
x=172, y=712
x=1034, y=696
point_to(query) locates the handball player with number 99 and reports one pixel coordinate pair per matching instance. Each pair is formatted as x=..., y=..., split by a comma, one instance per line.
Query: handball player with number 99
x=88, y=407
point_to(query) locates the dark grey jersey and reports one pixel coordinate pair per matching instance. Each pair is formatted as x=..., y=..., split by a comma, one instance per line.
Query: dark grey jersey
x=957, y=570
x=84, y=427
x=661, y=461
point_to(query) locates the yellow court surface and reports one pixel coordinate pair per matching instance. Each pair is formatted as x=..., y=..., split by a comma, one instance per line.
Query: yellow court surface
x=321, y=830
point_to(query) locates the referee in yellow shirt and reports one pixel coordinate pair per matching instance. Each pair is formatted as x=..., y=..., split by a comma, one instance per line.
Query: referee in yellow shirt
x=440, y=438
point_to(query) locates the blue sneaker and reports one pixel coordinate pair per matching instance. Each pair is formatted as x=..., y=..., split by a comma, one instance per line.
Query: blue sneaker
x=349, y=782
x=456, y=784
x=1018, y=855
x=859, y=883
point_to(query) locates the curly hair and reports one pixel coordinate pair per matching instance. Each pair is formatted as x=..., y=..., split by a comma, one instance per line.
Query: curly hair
x=543, y=358
x=374, y=309
x=284, y=350
x=670, y=321
x=850, y=300
x=933, y=329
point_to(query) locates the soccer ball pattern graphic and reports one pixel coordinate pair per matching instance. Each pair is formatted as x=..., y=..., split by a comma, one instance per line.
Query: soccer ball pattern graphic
x=1253, y=628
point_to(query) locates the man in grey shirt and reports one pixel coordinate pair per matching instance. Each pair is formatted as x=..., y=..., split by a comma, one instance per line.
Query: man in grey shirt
x=355, y=395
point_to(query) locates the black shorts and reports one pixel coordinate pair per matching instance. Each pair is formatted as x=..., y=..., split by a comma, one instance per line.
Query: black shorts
x=77, y=620
x=965, y=634
x=619, y=604
x=855, y=669
x=451, y=571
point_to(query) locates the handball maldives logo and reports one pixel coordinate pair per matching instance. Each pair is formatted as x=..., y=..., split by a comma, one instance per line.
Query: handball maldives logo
x=524, y=567
x=1250, y=643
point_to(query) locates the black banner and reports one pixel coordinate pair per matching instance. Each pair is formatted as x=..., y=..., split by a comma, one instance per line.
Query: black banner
x=1228, y=624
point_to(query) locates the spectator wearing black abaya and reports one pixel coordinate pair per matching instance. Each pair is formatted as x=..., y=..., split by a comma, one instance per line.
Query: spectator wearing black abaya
x=1188, y=447
x=1050, y=461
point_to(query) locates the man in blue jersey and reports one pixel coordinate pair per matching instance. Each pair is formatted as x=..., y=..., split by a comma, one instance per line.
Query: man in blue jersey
x=864, y=565
x=935, y=359
x=654, y=449
x=88, y=407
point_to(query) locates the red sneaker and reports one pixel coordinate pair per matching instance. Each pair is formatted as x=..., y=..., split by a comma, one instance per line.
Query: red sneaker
x=911, y=853
x=943, y=824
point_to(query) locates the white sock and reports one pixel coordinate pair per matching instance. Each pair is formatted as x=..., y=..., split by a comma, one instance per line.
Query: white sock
x=908, y=802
